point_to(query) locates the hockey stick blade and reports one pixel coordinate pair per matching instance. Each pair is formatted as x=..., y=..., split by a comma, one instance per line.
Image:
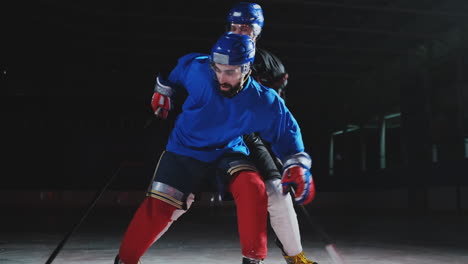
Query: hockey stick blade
x=330, y=247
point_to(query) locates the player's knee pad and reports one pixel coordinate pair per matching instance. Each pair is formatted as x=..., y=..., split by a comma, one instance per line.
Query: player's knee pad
x=280, y=206
x=275, y=194
x=179, y=212
x=168, y=194
x=228, y=168
x=249, y=182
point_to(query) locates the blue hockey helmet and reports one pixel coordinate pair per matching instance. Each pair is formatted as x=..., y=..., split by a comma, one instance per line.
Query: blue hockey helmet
x=248, y=14
x=233, y=49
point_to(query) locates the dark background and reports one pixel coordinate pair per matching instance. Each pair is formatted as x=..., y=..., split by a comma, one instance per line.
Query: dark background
x=77, y=79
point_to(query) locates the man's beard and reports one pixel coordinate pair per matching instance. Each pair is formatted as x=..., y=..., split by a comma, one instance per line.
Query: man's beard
x=233, y=90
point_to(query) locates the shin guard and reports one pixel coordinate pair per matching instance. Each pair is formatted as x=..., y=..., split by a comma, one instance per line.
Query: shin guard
x=283, y=218
x=151, y=220
x=248, y=190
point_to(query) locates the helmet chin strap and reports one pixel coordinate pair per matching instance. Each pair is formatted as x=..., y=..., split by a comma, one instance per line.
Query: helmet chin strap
x=244, y=79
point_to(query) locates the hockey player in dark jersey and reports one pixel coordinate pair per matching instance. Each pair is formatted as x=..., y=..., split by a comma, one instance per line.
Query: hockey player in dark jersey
x=223, y=103
x=247, y=19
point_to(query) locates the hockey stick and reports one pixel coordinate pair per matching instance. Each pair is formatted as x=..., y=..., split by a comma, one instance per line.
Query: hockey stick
x=148, y=123
x=330, y=246
x=88, y=210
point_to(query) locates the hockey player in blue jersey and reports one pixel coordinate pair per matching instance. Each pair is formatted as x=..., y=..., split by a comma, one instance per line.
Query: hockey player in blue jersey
x=223, y=103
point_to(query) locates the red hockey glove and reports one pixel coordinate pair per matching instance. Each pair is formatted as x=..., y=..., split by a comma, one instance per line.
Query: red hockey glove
x=161, y=100
x=297, y=175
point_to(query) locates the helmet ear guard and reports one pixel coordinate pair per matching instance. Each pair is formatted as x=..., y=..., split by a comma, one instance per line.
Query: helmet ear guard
x=256, y=30
x=246, y=68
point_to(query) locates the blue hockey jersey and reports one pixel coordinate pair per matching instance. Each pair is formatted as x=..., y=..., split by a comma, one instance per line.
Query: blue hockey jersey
x=211, y=124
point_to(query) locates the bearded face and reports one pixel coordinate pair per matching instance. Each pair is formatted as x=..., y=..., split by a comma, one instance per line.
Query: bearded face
x=230, y=78
x=228, y=90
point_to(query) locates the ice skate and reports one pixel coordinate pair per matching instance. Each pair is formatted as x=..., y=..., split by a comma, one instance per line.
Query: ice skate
x=298, y=259
x=118, y=261
x=246, y=260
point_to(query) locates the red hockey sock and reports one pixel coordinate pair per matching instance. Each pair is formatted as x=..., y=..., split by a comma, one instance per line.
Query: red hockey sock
x=251, y=199
x=150, y=221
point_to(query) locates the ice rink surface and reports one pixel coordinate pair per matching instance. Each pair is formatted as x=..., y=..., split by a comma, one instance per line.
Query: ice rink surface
x=208, y=235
